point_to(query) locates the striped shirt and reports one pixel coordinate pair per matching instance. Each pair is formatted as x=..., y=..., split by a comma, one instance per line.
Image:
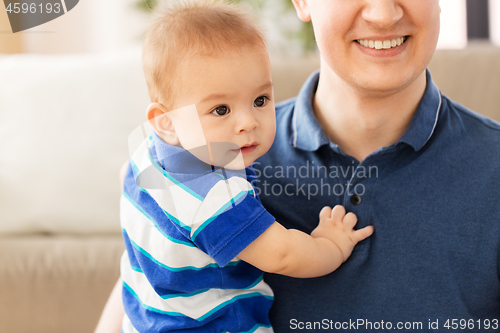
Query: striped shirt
x=184, y=222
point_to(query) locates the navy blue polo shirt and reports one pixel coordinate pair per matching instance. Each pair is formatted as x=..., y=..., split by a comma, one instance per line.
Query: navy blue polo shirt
x=433, y=199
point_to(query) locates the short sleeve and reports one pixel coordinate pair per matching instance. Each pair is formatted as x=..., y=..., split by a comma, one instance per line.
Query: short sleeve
x=229, y=219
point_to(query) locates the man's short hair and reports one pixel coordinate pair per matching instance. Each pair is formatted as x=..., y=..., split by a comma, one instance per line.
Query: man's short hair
x=181, y=29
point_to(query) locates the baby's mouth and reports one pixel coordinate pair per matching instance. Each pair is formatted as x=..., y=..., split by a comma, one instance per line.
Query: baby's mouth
x=247, y=149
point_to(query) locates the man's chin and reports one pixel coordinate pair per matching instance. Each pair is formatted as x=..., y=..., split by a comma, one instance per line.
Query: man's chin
x=382, y=85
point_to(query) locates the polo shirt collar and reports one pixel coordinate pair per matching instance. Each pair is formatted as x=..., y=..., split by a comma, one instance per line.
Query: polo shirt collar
x=307, y=133
x=176, y=159
x=425, y=119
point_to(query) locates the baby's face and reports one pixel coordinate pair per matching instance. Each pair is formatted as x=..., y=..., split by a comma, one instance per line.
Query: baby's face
x=233, y=96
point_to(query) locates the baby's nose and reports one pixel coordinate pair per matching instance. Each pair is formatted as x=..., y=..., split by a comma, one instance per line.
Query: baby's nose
x=247, y=122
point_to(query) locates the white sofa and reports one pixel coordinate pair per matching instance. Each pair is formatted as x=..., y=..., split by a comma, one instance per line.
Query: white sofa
x=64, y=123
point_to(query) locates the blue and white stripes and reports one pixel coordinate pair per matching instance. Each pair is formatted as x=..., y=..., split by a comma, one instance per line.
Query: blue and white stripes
x=180, y=269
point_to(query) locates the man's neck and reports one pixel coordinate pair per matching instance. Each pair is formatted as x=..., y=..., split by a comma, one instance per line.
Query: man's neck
x=361, y=123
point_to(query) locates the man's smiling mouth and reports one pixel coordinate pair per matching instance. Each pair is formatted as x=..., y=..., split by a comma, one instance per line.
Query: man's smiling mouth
x=382, y=44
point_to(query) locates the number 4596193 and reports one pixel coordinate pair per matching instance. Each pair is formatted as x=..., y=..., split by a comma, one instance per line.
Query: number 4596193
x=471, y=324
x=33, y=8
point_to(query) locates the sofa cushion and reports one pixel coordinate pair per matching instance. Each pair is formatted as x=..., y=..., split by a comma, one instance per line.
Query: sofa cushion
x=57, y=283
x=64, y=123
x=470, y=77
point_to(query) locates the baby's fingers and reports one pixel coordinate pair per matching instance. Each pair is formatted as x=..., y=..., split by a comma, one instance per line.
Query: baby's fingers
x=360, y=234
x=338, y=213
x=325, y=213
x=350, y=220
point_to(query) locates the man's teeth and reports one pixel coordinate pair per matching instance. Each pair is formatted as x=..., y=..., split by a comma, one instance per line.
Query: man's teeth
x=381, y=44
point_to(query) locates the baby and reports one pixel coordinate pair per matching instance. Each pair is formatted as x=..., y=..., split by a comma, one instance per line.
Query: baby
x=197, y=238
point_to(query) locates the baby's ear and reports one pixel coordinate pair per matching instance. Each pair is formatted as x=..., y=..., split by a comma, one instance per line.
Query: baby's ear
x=161, y=120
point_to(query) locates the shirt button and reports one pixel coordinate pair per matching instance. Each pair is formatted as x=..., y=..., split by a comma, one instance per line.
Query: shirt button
x=355, y=199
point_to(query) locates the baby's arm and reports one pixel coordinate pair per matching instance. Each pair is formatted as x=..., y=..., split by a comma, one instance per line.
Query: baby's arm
x=294, y=253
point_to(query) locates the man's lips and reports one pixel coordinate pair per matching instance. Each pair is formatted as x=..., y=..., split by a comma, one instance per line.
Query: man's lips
x=383, y=49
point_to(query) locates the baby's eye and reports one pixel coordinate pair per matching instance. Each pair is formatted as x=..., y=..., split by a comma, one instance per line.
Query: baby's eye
x=260, y=101
x=220, y=110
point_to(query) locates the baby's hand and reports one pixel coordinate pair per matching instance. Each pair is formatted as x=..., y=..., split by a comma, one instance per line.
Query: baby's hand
x=338, y=227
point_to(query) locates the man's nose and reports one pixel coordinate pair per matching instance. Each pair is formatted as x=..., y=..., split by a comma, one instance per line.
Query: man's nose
x=382, y=13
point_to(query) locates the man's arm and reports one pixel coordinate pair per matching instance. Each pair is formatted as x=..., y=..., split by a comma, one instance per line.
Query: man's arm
x=294, y=253
x=112, y=316
x=123, y=173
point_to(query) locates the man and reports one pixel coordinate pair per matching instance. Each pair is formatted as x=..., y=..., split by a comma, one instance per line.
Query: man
x=373, y=133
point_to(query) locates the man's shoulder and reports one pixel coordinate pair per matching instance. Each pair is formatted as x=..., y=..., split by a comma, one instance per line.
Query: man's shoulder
x=469, y=135
x=478, y=125
x=471, y=117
